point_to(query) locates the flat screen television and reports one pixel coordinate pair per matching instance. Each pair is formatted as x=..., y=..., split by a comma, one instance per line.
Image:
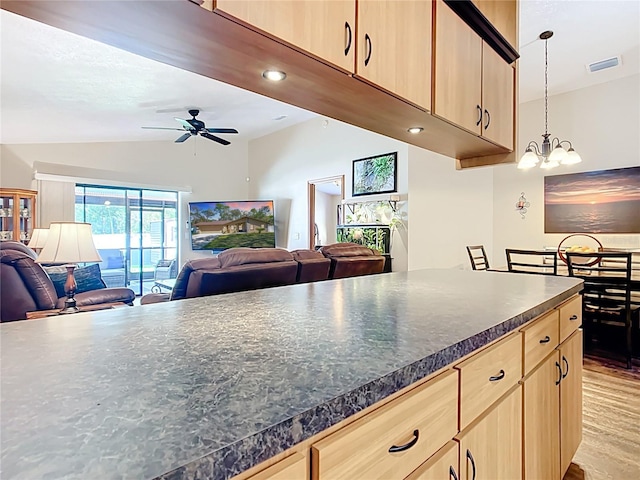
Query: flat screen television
x=217, y=226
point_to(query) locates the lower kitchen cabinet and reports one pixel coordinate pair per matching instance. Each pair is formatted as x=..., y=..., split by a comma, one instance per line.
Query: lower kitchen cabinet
x=570, y=399
x=443, y=465
x=541, y=420
x=491, y=447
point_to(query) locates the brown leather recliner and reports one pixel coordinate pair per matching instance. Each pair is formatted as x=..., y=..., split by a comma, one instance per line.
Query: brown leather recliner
x=352, y=260
x=312, y=265
x=26, y=287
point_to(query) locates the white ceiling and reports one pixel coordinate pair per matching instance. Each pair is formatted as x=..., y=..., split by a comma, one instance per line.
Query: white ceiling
x=57, y=87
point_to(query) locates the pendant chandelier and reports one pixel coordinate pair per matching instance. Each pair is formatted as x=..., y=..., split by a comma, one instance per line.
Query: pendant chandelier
x=551, y=153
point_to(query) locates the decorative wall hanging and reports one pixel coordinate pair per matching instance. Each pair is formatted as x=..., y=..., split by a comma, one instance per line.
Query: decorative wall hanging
x=378, y=174
x=522, y=205
x=605, y=201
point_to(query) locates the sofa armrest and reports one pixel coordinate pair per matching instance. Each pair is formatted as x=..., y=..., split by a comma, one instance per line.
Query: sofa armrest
x=155, y=298
x=102, y=295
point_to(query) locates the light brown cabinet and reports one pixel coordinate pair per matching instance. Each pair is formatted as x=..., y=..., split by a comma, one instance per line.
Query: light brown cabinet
x=552, y=413
x=396, y=59
x=395, y=439
x=491, y=448
x=443, y=465
x=570, y=399
x=541, y=420
x=325, y=29
x=17, y=214
x=503, y=15
x=294, y=467
x=473, y=86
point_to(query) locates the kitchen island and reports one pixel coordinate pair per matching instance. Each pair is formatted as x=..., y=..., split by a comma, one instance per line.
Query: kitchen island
x=209, y=387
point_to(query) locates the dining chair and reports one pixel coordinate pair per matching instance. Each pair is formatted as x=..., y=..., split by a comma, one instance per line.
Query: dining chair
x=542, y=262
x=478, y=257
x=606, y=297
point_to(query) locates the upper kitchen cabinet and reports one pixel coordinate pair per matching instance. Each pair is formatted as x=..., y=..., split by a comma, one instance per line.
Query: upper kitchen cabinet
x=325, y=29
x=394, y=47
x=473, y=85
x=503, y=15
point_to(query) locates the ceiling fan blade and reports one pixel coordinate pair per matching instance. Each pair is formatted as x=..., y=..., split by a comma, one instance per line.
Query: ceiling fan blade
x=214, y=138
x=184, y=123
x=183, y=138
x=221, y=130
x=163, y=128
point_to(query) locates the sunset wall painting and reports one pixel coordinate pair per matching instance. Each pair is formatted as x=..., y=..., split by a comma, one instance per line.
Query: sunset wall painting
x=606, y=201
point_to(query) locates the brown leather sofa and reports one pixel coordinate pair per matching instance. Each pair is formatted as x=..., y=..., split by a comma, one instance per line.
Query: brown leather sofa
x=233, y=270
x=26, y=287
x=352, y=260
x=239, y=269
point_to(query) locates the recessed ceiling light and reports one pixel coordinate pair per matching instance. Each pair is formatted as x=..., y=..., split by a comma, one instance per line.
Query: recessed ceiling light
x=280, y=117
x=274, y=75
x=415, y=130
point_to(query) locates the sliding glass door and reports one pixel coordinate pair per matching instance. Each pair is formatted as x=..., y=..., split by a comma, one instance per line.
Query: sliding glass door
x=135, y=232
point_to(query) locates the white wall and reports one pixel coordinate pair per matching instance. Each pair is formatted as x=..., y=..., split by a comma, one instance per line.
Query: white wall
x=603, y=123
x=448, y=209
x=281, y=164
x=212, y=171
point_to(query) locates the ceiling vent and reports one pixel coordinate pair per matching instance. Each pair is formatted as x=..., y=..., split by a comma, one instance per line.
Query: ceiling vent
x=604, y=64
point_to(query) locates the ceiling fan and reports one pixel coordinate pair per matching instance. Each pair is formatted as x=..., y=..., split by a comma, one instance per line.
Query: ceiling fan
x=194, y=127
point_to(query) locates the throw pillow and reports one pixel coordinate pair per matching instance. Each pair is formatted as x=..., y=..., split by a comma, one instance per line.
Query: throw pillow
x=87, y=278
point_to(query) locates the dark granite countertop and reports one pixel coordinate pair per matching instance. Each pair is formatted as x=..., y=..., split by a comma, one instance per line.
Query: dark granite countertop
x=209, y=387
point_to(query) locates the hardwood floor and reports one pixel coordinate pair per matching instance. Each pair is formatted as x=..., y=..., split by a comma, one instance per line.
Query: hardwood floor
x=610, y=448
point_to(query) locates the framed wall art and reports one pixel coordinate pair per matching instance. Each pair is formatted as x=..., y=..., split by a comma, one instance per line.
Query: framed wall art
x=378, y=174
x=604, y=201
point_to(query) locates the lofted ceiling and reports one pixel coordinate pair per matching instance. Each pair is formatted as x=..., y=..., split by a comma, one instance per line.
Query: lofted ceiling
x=57, y=87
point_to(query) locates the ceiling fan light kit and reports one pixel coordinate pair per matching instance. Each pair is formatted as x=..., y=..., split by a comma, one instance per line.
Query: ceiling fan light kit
x=194, y=127
x=551, y=153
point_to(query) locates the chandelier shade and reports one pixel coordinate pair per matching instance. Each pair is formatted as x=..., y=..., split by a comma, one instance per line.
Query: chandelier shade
x=550, y=153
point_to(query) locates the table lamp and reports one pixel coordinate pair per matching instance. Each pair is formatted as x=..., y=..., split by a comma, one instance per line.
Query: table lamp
x=69, y=243
x=38, y=238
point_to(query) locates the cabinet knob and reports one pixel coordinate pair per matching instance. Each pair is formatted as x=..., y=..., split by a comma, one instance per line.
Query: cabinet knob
x=406, y=446
x=473, y=464
x=498, y=377
x=566, y=362
x=452, y=473
x=368, y=48
x=347, y=27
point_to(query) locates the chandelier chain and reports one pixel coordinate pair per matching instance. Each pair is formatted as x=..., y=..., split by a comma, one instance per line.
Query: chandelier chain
x=546, y=92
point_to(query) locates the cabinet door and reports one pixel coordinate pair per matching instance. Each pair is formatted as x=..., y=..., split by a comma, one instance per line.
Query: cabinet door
x=570, y=399
x=441, y=466
x=458, y=71
x=491, y=448
x=394, y=47
x=498, y=78
x=325, y=29
x=541, y=410
x=503, y=15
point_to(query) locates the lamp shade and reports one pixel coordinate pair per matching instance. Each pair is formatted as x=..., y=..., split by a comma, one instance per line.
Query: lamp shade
x=69, y=242
x=38, y=238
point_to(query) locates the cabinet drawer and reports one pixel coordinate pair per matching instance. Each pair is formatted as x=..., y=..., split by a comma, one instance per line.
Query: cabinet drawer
x=540, y=338
x=294, y=467
x=488, y=375
x=423, y=419
x=570, y=317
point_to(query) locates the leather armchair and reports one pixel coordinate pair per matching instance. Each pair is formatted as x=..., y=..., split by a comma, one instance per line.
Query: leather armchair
x=26, y=287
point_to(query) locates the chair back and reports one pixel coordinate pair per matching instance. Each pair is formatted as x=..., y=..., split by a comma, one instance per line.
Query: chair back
x=540, y=262
x=478, y=257
x=606, y=295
